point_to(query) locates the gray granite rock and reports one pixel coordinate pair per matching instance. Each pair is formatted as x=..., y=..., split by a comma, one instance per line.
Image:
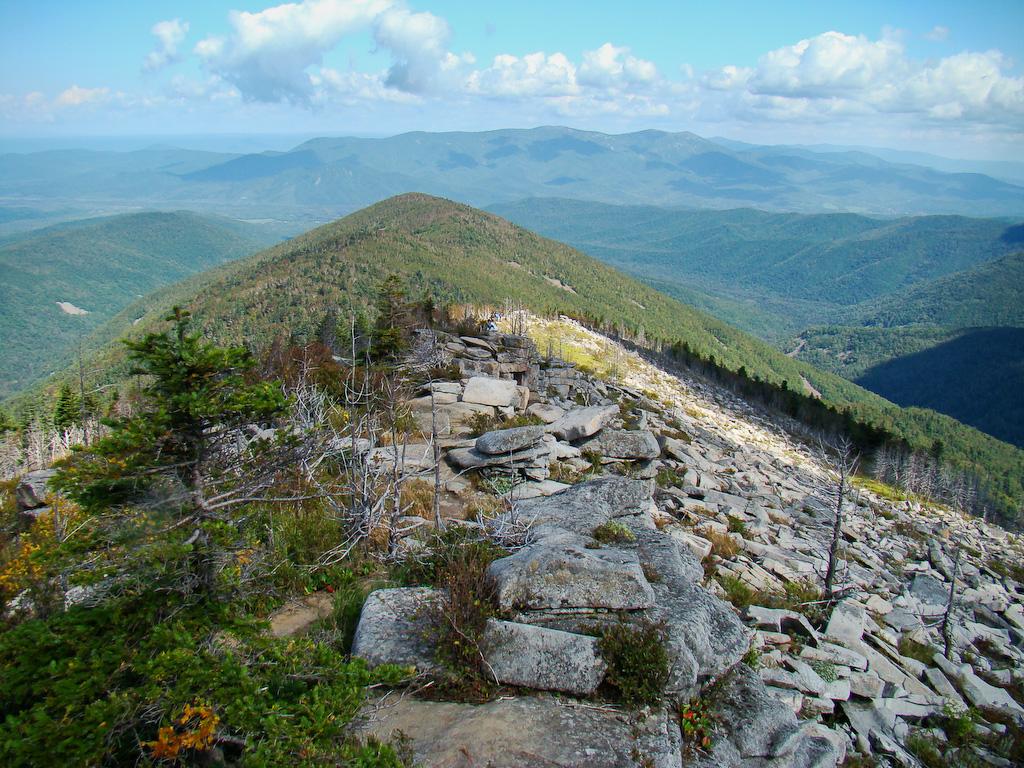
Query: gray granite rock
x=623, y=444
x=583, y=422
x=547, y=659
x=505, y=441
x=484, y=390
x=393, y=628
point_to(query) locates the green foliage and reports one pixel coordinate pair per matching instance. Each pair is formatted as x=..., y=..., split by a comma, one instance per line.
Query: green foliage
x=737, y=526
x=613, y=532
x=100, y=265
x=826, y=670
x=914, y=650
x=638, y=665
x=697, y=723
x=669, y=476
x=127, y=668
x=192, y=387
x=394, y=321
x=482, y=423
x=737, y=592
x=67, y=411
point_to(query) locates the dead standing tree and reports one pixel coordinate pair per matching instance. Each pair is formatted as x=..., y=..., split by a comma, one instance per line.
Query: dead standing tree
x=842, y=459
x=947, y=617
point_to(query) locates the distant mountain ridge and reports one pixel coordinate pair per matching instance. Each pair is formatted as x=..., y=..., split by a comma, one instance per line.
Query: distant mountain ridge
x=99, y=266
x=323, y=178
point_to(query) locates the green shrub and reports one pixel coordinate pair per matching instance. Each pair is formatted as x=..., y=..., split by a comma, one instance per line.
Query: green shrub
x=737, y=526
x=638, y=664
x=826, y=670
x=613, y=532
x=697, y=723
x=130, y=668
x=737, y=592
x=914, y=650
x=668, y=476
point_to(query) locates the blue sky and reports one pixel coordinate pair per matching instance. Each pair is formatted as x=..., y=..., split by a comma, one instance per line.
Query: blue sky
x=937, y=76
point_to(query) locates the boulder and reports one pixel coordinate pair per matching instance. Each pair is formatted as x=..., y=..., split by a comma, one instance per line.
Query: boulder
x=587, y=505
x=524, y=732
x=547, y=413
x=705, y=637
x=846, y=623
x=505, y=441
x=32, y=488
x=561, y=572
x=756, y=724
x=583, y=422
x=394, y=627
x=484, y=390
x=471, y=458
x=623, y=444
x=548, y=659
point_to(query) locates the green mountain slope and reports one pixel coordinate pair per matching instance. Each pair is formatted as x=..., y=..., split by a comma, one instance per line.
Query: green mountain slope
x=773, y=274
x=457, y=253
x=98, y=266
x=977, y=377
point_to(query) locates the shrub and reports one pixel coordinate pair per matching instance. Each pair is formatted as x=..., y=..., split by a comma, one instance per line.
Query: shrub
x=826, y=670
x=460, y=617
x=737, y=526
x=668, y=476
x=737, y=592
x=481, y=423
x=638, y=664
x=613, y=532
x=697, y=724
x=752, y=658
x=418, y=498
x=722, y=544
x=914, y=650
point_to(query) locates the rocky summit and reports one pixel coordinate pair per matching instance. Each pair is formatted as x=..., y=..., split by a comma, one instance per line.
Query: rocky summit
x=659, y=501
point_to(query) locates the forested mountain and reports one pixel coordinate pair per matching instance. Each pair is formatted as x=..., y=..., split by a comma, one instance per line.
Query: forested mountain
x=847, y=293
x=455, y=253
x=774, y=274
x=62, y=282
x=323, y=178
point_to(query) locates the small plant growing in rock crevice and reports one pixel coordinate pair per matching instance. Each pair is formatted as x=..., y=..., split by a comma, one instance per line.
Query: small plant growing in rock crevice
x=697, y=723
x=613, y=532
x=638, y=664
x=912, y=649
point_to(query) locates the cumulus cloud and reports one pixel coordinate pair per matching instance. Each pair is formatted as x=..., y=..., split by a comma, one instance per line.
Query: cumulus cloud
x=169, y=35
x=611, y=66
x=76, y=96
x=937, y=34
x=419, y=44
x=837, y=74
x=268, y=53
x=535, y=74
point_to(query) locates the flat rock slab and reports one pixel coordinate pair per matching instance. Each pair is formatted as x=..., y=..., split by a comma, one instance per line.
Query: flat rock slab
x=585, y=506
x=636, y=445
x=470, y=458
x=561, y=572
x=393, y=628
x=755, y=723
x=526, y=732
x=546, y=412
x=505, y=441
x=484, y=390
x=547, y=659
x=297, y=616
x=584, y=422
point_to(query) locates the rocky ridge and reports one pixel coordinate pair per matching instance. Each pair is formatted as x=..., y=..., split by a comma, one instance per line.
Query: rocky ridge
x=720, y=504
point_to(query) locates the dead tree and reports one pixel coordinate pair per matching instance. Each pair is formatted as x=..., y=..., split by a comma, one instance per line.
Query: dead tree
x=947, y=617
x=843, y=459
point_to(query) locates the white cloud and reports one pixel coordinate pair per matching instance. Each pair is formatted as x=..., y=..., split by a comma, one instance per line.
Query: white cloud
x=268, y=54
x=535, y=74
x=610, y=66
x=76, y=96
x=169, y=34
x=836, y=74
x=419, y=45
x=937, y=34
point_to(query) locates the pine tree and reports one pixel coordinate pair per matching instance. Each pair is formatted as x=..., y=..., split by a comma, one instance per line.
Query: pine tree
x=394, y=321
x=67, y=411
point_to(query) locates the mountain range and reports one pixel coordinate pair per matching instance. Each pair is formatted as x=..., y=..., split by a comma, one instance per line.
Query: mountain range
x=321, y=179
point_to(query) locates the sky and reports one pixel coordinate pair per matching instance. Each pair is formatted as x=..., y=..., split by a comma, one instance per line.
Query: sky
x=936, y=76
